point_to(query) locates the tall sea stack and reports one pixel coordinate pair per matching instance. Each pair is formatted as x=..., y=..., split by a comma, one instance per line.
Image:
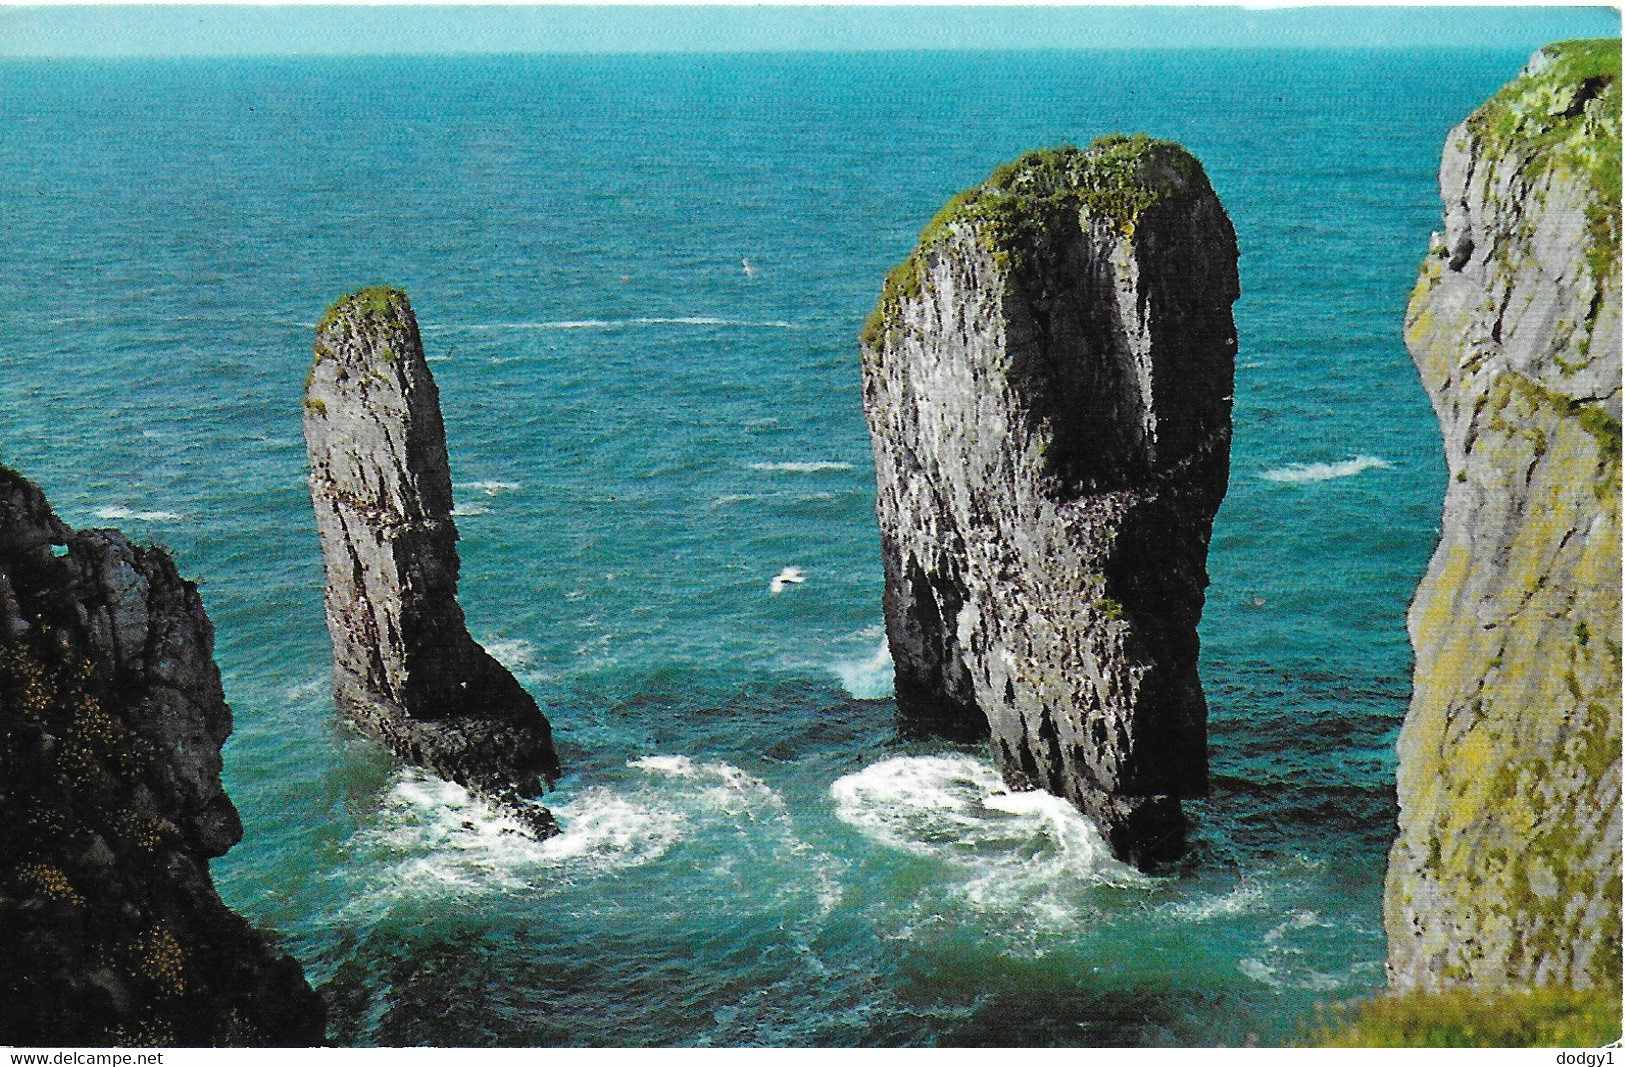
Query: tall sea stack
x=1048, y=384
x=404, y=666
x=111, y=721
x=1506, y=870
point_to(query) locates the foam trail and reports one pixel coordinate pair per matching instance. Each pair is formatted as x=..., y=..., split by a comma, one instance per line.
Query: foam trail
x=117, y=513
x=490, y=486
x=613, y=324
x=809, y=467
x=468, y=511
x=1298, y=473
x=870, y=678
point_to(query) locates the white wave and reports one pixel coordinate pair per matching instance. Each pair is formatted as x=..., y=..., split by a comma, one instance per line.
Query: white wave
x=1246, y=897
x=468, y=511
x=1298, y=473
x=431, y=839
x=956, y=808
x=122, y=513
x=490, y=486
x=680, y=766
x=808, y=467
x=612, y=324
x=869, y=678
x=516, y=654
x=1280, y=963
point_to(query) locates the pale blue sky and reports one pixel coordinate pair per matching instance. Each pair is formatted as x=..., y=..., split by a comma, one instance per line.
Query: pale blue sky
x=219, y=30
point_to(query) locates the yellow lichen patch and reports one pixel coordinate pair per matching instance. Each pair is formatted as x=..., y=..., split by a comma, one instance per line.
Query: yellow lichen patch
x=45, y=880
x=158, y=957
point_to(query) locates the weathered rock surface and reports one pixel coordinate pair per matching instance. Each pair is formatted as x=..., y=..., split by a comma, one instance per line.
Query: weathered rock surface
x=404, y=666
x=111, y=721
x=1048, y=385
x=1506, y=870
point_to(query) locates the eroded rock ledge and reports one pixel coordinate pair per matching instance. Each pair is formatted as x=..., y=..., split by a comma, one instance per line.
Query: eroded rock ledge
x=1048, y=384
x=111, y=721
x=404, y=666
x=1506, y=870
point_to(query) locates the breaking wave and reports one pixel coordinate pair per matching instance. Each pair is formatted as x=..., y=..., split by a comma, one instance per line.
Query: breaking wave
x=809, y=467
x=1298, y=473
x=869, y=678
x=122, y=513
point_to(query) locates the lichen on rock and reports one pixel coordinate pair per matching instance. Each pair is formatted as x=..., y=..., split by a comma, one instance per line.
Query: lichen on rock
x=112, y=718
x=1506, y=870
x=405, y=669
x=1048, y=381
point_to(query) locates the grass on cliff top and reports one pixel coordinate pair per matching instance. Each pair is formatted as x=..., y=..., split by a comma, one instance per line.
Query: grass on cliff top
x=1565, y=115
x=1550, y=1017
x=1117, y=177
x=377, y=301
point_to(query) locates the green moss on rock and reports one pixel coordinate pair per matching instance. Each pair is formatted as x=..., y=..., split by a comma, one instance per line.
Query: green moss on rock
x=1544, y=1018
x=1117, y=179
x=1564, y=115
x=377, y=301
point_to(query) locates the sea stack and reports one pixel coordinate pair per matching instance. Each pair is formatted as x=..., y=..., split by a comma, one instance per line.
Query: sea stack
x=1506, y=871
x=404, y=666
x=1048, y=381
x=112, y=718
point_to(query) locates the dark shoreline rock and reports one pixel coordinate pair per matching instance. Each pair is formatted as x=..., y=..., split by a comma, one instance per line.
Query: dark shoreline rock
x=112, y=719
x=405, y=669
x=1048, y=385
x=1506, y=869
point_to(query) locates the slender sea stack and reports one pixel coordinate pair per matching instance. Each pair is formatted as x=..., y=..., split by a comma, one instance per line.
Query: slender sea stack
x=1506, y=870
x=111, y=722
x=1048, y=385
x=404, y=666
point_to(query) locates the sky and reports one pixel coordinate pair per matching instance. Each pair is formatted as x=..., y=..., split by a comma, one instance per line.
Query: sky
x=210, y=30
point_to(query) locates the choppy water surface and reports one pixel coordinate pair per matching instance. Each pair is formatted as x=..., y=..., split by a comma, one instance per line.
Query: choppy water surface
x=644, y=433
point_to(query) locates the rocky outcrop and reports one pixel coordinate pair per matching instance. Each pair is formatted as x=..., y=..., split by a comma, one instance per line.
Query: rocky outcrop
x=111, y=721
x=404, y=666
x=1048, y=385
x=1506, y=870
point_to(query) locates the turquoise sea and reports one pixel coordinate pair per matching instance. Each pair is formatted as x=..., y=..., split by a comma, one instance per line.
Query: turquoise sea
x=643, y=433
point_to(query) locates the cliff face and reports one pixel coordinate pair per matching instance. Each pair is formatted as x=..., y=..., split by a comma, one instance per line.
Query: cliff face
x=1048, y=386
x=404, y=666
x=1507, y=865
x=111, y=722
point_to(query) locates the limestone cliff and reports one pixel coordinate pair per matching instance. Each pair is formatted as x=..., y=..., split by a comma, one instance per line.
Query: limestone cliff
x=111, y=722
x=1506, y=870
x=404, y=666
x=1048, y=384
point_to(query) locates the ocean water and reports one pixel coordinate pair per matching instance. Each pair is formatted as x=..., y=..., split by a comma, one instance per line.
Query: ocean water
x=643, y=434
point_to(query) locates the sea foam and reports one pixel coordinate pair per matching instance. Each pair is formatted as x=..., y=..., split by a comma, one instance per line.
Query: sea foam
x=431, y=839
x=122, y=513
x=1298, y=473
x=802, y=467
x=613, y=324
x=870, y=677
x=957, y=808
x=489, y=486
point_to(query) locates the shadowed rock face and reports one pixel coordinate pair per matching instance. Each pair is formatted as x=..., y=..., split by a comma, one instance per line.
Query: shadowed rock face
x=1506, y=870
x=1048, y=385
x=111, y=721
x=404, y=666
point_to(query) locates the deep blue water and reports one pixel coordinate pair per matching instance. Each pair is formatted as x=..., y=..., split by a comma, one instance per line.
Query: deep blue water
x=643, y=434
